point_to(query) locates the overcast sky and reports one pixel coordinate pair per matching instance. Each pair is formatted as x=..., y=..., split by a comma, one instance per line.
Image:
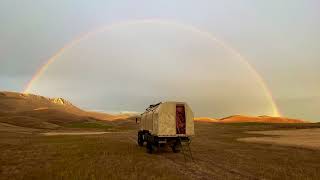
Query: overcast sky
x=128, y=67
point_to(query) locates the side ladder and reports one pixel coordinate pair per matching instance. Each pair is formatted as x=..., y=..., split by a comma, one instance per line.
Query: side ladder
x=186, y=150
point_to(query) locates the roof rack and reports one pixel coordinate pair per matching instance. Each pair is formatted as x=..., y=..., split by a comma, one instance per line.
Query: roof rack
x=153, y=106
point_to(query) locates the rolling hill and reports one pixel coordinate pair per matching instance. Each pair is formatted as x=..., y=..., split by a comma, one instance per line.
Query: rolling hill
x=206, y=119
x=251, y=119
x=33, y=111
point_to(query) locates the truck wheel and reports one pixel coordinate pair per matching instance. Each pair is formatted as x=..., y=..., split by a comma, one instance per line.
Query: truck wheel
x=140, y=139
x=176, y=148
x=149, y=148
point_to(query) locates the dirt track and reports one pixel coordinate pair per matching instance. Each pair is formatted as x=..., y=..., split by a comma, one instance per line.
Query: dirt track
x=306, y=138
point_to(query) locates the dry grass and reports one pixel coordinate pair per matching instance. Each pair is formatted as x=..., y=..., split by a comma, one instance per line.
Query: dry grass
x=74, y=157
x=219, y=150
x=307, y=138
x=217, y=153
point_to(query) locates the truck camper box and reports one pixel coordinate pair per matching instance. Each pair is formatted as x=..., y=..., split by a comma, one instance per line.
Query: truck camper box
x=166, y=123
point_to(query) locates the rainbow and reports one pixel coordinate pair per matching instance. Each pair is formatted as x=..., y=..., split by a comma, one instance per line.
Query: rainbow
x=190, y=28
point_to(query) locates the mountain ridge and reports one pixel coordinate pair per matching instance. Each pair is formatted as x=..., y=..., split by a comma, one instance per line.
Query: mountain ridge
x=35, y=111
x=252, y=119
x=59, y=110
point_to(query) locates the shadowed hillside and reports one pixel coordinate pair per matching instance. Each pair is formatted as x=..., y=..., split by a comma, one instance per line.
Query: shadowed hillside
x=33, y=111
x=17, y=102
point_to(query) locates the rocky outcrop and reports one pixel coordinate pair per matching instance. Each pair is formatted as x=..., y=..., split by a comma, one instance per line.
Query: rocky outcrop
x=60, y=101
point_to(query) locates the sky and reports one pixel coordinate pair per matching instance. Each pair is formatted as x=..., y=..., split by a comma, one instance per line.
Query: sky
x=129, y=67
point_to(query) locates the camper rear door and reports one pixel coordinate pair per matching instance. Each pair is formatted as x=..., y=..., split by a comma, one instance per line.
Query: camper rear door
x=180, y=119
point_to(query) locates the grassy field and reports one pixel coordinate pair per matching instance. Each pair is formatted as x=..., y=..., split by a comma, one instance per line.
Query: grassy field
x=93, y=125
x=217, y=154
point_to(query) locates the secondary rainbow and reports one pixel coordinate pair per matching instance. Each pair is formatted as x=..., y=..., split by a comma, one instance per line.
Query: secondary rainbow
x=190, y=28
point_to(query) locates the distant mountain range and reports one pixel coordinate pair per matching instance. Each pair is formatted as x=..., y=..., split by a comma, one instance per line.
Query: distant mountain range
x=34, y=111
x=250, y=119
x=28, y=110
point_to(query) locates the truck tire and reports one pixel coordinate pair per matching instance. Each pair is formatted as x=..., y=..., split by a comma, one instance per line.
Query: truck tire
x=140, y=139
x=149, y=148
x=176, y=147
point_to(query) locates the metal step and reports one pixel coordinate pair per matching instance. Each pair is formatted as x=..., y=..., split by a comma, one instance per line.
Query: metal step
x=186, y=151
